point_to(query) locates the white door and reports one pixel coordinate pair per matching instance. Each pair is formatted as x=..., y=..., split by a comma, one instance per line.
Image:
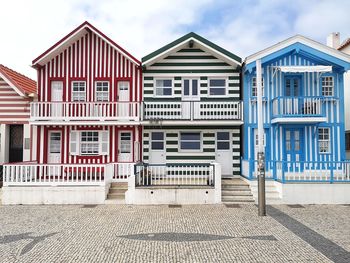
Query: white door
x=124, y=98
x=56, y=96
x=157, y=148
x=125, y=147
x=190, y=96
x=54, y=147
x=224, y=153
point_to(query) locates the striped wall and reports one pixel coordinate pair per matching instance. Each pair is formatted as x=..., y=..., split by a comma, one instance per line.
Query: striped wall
x=13, y=107
x=311, y=86
x=66, y=157
x=208, y=152
x=90, y=58
x=191, y=63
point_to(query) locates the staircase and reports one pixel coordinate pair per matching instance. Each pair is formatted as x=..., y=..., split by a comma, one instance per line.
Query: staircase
x=271, y=192
x=116, y=194
x=235, y=191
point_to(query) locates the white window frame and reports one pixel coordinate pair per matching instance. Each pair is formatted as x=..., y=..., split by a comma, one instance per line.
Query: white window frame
x=190, y=87
x=191, y=150
x=80, y=94
x=254, y=89
x=226, y=86
x=103, y=93
x=155, y=87
x=329, y=92
x=229, y=140
x=96, y=143
x=323, y=141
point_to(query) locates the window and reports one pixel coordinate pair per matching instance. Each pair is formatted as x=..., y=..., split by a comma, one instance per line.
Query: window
x=324, y=140
x=89, y=143
x=125, y=142
x=217, y=87
x=327, y=86
x=164, y=87
x=223, y=140
x=101, y=88
x=190, y=141
x=55, y=142
x=157, y=140
x=78, y=90
x=347, y=141
x=254, y=88
x=190, y=87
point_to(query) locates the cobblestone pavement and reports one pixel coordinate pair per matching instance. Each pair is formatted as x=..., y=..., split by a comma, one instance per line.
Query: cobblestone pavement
x=207, y=233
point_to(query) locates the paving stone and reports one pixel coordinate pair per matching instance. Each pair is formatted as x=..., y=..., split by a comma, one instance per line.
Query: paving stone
x=206, y=233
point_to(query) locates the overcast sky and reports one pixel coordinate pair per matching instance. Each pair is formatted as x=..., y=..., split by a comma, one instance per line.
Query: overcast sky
x=29, y=27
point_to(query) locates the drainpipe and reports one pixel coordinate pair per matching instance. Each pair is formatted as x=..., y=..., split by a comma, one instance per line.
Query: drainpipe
x=261, y=153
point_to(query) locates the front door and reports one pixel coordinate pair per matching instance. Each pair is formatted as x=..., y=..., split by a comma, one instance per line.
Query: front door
x=157, y=148
x=16, y=143
x=54, y=153
x=292, y=91
x=123, y=98
x=190, y=93
x=294, y=149
x=125, y=147
x=224, y=152
x=56, y=96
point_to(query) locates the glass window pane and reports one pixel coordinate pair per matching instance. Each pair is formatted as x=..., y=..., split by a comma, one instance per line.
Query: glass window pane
x=157, y=136
x=190, y=136
x=217, y=83
x=167, y=83
x=223, y=136
x=167, y=91
x=186, y=87
x=190, y=145
x=223, y=145
x=217, y=91
x=157, y=145
x=194, y=87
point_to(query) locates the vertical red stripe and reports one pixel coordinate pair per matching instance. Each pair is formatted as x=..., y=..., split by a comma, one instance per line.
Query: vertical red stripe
x=64, y=75
x=102, y=61
x=69, y=75
x=119, y=65
x=45, y=145
x=73, y=60
x=98, y=57
x=86, y=55
x=38, y=143
x=140, y=142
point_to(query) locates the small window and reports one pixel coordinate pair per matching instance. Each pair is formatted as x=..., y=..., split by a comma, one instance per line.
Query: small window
x=164, y=87
x=78, y=91
x=157, y=140
x=102, y=90
x=254, y=88
x=190, y=141
x=223, y=140
x=217, y=87
x=190, y=87
x=55, y=142
x=324, y=140
x=89, y=143
x=327, y=86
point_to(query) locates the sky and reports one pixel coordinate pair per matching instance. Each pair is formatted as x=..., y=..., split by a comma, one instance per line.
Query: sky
x=30, y=27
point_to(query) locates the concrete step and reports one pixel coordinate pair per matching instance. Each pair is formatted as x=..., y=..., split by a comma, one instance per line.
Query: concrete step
x=237, y=199
x=235, y=187
x=117, y=191
x=234, y=182
x=235, y=193
x=115, y=196
x=119, y=185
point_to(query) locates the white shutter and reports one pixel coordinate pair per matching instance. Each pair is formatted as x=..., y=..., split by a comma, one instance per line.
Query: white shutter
x=104, y=143
x=74, y=143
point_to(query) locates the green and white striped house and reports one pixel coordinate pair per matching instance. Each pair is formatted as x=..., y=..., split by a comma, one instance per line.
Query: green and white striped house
x=192, y=109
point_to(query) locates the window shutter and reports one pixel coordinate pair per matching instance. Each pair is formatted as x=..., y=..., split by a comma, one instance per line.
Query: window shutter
x=104, y=143
x=74, y=143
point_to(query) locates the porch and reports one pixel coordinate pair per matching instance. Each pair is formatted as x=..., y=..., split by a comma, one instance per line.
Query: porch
x=85, y=111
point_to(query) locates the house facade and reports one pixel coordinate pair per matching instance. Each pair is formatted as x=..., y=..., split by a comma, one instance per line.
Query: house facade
x=303, y=112
x=192, y=109
x=16, y=92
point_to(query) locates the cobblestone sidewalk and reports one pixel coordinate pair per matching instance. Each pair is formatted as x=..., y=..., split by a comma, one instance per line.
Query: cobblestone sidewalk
x=208, y=233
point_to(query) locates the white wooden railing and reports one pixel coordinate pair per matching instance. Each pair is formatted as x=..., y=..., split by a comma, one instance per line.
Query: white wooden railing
x=26, y=174
x=193, y=110
x=128, y=111
x=297, y=106
x=174, y=174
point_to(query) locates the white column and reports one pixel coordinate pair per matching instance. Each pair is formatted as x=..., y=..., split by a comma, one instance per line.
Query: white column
x=3, y=143
x=260, y=107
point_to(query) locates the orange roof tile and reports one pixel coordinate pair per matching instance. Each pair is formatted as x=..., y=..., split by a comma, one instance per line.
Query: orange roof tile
x=344, y=44
x=23, y=83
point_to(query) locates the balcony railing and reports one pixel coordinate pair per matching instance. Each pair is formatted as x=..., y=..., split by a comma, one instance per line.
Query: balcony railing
x=99, y=111
x=193, y=110
x=297, y=107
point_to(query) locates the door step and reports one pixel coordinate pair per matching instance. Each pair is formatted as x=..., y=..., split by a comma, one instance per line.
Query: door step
x=116, y=194
x=236, y=191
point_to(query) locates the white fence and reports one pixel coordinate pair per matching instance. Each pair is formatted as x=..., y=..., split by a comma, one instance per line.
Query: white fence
x=65, y=174
x=297, y=106
x=85, y=111
x=174, y=174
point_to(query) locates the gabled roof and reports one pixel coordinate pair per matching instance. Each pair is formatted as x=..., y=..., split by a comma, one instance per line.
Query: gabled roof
x=340, y=57
x=225, y=55
x=20, y=83
x=72, y=37
x=345, y=43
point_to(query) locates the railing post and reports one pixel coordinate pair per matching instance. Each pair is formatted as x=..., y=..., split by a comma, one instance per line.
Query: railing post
x=283, y=171
x=332, y=174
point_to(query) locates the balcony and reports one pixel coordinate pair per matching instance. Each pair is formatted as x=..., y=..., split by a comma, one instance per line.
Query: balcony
x=298, y=110
x=193, y=111
x=121, y=112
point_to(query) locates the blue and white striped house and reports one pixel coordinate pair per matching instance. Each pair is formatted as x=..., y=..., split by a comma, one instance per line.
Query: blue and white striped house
x=303, y=111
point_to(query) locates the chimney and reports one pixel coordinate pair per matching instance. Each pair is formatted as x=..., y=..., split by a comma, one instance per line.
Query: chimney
x=333, y=40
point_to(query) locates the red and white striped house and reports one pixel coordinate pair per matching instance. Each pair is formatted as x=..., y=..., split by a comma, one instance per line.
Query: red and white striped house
x=88, y=101
x=16, y=92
